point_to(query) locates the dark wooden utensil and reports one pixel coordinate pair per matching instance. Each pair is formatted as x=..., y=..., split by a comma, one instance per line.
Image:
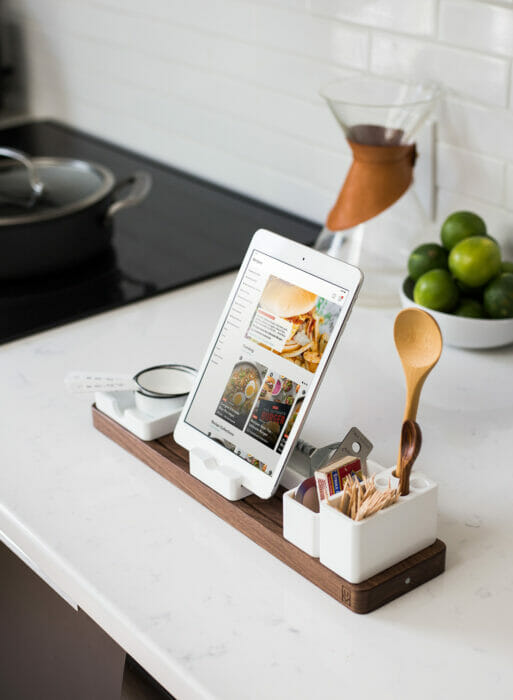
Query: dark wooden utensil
x=411, y=442
x=419, y=343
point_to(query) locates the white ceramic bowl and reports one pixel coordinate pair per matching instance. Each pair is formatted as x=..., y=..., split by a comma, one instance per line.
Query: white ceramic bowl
x=461, y=332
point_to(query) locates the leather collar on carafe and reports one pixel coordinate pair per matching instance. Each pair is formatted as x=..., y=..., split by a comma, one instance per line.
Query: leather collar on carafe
x=378, y=177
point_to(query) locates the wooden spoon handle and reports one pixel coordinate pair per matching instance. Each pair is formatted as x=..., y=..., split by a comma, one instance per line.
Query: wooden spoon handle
x=413, y=388
x=404, y=480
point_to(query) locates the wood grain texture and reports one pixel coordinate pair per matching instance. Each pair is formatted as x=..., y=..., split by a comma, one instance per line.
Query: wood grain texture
x=262, y=522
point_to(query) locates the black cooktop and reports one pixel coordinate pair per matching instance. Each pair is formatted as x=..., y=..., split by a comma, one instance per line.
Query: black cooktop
x=186, y=230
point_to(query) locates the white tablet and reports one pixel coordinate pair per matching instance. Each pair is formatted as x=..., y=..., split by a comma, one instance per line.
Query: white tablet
x=277, y=332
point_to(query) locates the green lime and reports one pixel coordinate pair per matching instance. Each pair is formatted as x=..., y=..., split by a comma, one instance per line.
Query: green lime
x=436, y=290
x=507, y=266
x=428, y=256
x=475, y=261
x=408, y=286
x=498, y=296
x=470, y=308
x=461, y=225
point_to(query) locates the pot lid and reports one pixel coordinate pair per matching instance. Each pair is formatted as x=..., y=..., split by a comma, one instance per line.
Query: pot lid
x=64, y=186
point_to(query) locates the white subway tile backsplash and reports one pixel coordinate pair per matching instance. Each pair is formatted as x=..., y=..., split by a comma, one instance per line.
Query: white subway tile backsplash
x=508, y=198
x=228, y=89
x=311, y=36
x=478, y=26
x=133, y=33
x=477, y=128
x=470, y=173
x=225, y=17
x=286, y=114
x=266, y=25
x=105, y=25
x=142, y=37
x=411, y=17
x=481, y=77
x=289, y=73
x=113, y=4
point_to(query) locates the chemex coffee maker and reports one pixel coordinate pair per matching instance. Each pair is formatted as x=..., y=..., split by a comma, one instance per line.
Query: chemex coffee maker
x=378, y=219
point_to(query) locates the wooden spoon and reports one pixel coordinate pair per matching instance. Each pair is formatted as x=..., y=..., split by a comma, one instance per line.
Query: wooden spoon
x=419, y=343
x=411, y=442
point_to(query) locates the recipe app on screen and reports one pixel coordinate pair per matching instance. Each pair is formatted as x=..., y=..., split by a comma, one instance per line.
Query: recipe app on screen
x=259, y=371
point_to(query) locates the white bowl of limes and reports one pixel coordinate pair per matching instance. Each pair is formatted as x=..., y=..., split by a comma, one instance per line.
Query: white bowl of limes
x=463, y=284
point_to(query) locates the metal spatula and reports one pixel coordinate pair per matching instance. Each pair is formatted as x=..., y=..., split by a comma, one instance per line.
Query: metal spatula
x=355, y=444
x=318, y=456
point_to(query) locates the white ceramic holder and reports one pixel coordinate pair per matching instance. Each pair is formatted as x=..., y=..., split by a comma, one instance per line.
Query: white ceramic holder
x=301, y=526
x=357, y=550
x=220, y=477
x=147, y=418
x=228, y=482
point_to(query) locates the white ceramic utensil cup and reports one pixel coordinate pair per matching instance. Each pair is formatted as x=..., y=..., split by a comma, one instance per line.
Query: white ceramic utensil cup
x=357, y=550
x=300, y=524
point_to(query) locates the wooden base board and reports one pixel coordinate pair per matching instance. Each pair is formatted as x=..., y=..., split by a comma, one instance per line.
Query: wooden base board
x=262, y=521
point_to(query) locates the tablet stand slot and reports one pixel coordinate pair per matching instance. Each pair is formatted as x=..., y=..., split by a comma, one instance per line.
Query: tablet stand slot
x=218, y=476
x=228, y=482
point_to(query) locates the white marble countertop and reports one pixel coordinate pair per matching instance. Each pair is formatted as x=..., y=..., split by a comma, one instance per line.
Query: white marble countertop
x=202, y=608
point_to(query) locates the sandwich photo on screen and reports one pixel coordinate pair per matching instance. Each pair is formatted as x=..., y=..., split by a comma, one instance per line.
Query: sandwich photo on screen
x=293, y=322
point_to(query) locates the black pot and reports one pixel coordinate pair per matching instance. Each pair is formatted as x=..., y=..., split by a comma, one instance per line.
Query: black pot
x=57, y=212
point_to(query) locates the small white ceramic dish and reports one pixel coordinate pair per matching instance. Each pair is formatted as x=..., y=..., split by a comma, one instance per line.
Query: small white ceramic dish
x=125, y=408
x=470, y=333
x=163, y=389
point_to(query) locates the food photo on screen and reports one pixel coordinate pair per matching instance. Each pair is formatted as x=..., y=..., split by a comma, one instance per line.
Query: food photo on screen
x=240, y=392
x=255, y=462
x=293, y=322
x=272, y=409
x=216, y=435
x=290, y=424
x=227, y=444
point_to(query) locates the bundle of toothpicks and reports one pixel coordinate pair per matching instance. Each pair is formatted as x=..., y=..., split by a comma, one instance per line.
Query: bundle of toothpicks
x=360, y=499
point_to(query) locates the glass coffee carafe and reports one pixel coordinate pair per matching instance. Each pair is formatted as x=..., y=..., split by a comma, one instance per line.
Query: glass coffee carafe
x=378, y=219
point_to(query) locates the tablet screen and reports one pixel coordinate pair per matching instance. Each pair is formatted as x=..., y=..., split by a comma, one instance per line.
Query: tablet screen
x=265, y=356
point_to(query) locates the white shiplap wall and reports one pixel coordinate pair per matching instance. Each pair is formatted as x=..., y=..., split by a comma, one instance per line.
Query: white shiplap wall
x=227, y=89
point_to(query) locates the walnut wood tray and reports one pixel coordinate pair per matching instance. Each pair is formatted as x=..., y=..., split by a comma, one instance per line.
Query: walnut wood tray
x=261, y=521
